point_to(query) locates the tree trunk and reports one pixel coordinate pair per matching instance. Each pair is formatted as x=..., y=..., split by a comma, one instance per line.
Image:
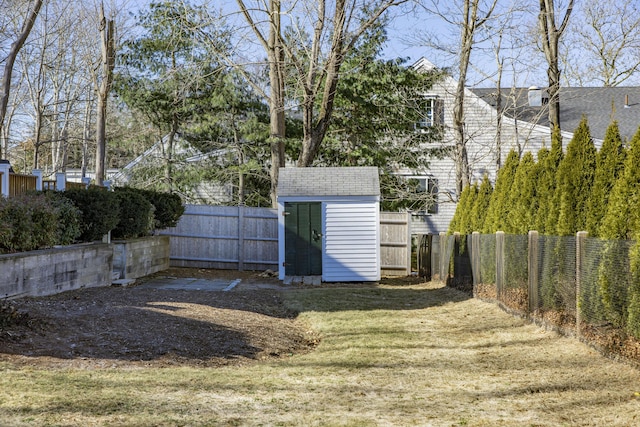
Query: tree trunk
x=107, y=28
x=550, y=34
x=316, y=129
x=168, y=155
x=275, y=56
x=85, y=139
x=466, y=43
x=11, y=59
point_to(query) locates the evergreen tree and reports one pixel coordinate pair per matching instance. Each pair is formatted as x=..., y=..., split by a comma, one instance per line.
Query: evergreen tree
x=621, y=222
x=609, y=164
x=466, y=225
x=498, y=206
x=481, y=204
x=461, y=221
x=622, y=217
x=633, y=310
x=548, y=206
x=522, y=197
x=575, y=179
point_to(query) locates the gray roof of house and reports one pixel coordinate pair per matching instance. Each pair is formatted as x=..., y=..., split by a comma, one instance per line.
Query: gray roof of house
x=329, y=181
x=600, y=105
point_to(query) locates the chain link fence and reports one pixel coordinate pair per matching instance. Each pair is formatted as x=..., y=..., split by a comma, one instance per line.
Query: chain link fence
x=578, y=285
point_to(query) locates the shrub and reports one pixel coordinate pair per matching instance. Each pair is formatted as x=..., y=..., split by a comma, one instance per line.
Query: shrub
x=168, y=208
x=69, y=218
x=575, y=180
x=136, y=214
x=27, y=223
x=100, y=211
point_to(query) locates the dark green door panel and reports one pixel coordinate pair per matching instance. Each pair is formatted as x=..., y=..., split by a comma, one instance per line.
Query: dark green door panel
x=303, y=239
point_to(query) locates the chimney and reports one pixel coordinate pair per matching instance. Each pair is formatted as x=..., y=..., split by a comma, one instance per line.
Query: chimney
x=626, y=101
x=535, y=96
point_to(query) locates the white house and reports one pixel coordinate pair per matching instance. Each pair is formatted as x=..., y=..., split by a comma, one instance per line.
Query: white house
x=524, y=127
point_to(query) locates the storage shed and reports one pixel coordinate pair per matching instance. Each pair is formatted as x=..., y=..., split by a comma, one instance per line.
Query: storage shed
x=329, y=223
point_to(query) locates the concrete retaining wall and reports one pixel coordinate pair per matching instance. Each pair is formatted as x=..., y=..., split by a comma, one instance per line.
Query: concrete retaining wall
x=51, y=271
x=140, y=257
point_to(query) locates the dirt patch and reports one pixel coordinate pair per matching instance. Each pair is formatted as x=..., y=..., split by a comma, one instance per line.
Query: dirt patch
x=134, y=326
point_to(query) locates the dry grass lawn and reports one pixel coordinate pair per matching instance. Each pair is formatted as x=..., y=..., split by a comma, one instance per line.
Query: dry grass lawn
x=408, y=355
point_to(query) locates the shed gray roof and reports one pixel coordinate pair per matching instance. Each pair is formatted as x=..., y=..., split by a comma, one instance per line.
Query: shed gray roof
x=330, y=181
x=599, y=104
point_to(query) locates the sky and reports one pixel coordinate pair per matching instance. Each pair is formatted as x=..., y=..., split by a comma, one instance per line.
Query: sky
x=402, y=32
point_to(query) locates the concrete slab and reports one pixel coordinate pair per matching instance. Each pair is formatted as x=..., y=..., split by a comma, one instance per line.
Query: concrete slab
x=193, y=284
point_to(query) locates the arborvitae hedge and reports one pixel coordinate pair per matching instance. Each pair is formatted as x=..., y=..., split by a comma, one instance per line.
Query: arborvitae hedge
x=522, y=201
x=136, y=214
x=498, y=207
x=609, y=164
x=547, y=214
x=622, y=218
x=461, y=221
x=575, y=180
x=481, y=204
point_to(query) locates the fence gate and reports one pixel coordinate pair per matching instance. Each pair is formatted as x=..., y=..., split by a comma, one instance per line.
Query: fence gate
x=395, y=243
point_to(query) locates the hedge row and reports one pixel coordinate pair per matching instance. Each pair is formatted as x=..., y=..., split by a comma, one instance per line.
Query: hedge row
x=44, y=219
x=562, y=193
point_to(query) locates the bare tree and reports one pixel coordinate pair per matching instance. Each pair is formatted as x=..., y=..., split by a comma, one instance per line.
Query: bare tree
x=603, y=44
x=322, y=33
x=550, y=33
x=108, y=55
x=11, y=59
x=272, y=44
x=469, y=16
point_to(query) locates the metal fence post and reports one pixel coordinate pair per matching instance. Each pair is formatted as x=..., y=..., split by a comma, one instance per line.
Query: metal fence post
x=533, y=268
x=581, y=238
x=499, y=264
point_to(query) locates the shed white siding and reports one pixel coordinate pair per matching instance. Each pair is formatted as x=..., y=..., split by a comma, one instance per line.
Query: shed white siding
x=351, y=242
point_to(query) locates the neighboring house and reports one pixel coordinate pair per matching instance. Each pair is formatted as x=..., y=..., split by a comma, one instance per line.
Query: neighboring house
x=185, y=154
x=525, y=127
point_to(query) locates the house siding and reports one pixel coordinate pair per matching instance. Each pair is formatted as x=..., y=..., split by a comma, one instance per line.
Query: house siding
x=481, y=127
x=351, y=242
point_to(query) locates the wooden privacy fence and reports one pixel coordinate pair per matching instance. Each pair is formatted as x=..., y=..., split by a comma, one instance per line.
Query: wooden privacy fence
x=20, y=184
x=244, y=238
x=14, y=184
x=225, y=237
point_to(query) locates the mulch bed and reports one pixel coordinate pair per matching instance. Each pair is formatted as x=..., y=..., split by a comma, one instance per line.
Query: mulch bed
x=138, y=327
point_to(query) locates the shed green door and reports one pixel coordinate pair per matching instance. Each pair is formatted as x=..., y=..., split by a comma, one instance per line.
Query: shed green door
x=303, y=239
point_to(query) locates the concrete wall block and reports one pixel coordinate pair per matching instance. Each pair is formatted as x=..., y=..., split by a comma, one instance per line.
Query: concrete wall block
x=141, y=257
x=55, y=270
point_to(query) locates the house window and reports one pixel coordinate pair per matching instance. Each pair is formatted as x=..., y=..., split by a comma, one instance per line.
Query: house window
x=431, y=112
x=428, y=185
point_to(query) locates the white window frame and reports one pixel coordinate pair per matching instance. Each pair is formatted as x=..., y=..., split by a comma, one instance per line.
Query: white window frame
x=433, y=113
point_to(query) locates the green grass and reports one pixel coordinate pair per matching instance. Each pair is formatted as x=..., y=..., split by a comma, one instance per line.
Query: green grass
x=390, y=356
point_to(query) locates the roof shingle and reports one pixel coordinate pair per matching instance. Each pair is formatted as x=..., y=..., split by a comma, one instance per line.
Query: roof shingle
x=328, y=181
